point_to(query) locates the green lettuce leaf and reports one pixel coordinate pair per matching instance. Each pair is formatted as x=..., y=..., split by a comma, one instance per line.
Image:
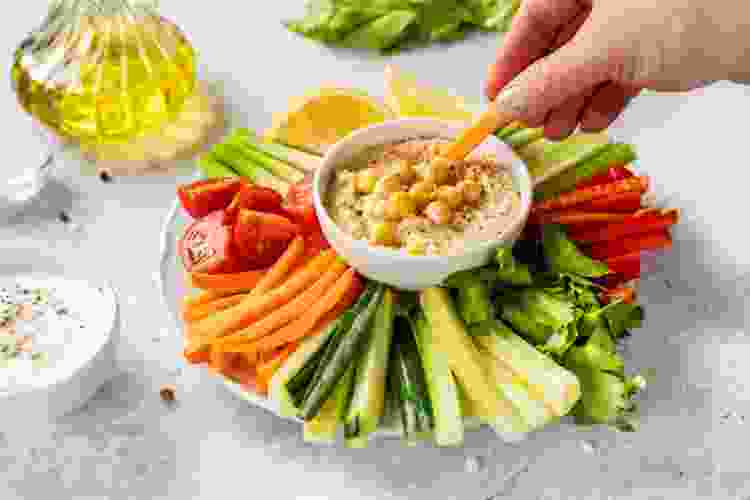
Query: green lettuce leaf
x=549, y=309
x=563, y=256
x=607, y=393
x=509, y=270
x=389, y=25
x=621, y=317
x=525, y=325
x=382, y=33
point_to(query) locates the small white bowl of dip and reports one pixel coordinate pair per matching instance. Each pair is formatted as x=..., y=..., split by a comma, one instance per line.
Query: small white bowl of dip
x=395, y=267
x=67, y=326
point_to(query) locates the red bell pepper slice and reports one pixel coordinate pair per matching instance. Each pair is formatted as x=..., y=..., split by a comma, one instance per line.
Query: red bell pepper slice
x=570, y=199
x=626, y=267
x=635, y=224
x=202, y=197
x=569, y=217
x=628, y=202
x=654, y=240
x=612, y=174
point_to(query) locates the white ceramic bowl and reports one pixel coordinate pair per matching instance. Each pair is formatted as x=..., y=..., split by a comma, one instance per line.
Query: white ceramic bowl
x=72, y=380
x=392, y=266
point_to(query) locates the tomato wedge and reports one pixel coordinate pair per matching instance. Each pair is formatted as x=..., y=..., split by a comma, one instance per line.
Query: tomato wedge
x=252, y=197
x=200, y=198
x=262, y=237
x=206, y=246
x=299, y=204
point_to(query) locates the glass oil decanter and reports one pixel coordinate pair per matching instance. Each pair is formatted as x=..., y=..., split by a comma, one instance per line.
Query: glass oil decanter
x=113, y=77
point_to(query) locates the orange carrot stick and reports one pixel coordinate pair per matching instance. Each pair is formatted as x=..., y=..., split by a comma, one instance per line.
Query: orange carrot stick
x=305, y=323
x=244, y=280
x=278, y=318
x=252, y=308
x=196, y=357
x=200, y=311
x=265, y=371
x=281, y=268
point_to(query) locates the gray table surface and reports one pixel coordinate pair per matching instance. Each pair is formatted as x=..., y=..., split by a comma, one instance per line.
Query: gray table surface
x=126, y=444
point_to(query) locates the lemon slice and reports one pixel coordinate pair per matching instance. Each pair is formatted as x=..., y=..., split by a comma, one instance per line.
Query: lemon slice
x=317, y=120
x=407, y=97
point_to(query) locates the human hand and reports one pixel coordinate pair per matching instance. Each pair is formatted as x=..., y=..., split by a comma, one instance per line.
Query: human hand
x=566, y=62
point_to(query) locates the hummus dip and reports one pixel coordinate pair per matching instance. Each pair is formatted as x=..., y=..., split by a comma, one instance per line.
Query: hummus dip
x=395, y=195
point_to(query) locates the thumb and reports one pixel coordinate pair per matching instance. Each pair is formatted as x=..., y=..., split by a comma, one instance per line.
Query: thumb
x=573, y=70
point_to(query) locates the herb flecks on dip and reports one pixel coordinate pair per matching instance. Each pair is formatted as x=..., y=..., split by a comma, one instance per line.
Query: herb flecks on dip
x=36, y=324
x=396, y=196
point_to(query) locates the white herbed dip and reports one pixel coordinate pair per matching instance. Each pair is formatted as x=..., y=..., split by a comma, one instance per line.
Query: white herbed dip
x=52, y=330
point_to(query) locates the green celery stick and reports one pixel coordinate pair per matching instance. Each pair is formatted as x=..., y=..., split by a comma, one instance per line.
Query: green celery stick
x=523, y=137
x=277, y=167
x=546, y=159
x=212, y=168
x=610, y=156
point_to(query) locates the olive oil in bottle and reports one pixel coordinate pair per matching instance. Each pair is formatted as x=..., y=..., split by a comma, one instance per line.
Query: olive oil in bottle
x=104, y=71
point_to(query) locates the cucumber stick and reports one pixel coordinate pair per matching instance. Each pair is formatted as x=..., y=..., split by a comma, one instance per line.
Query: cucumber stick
x=311, y=372
x=306, y=351
x=469, y=366
x=441, y=386
x=368, y=398
x=323, y=428
x=277, y=167
x=410, y=386
x=344, y=354
x=299, y=159
x=545, y=379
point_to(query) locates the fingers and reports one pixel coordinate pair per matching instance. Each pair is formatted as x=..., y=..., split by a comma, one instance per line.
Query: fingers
x=562, y=121
x=569, y=30
x=532, y=34
x=606, y=105
x=575, y=69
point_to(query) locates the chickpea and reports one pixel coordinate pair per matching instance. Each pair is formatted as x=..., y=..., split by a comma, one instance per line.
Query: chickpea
x=438, y=148
x=451, y=196
x=422, y=193
x=439, y=212
x=389, y=184
x=406, y=172
x=384, y=234
x=365, y=182
x=439, y=171
x=472, y=191
x=400, y=206
x=375, y=208
x=416, y=246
